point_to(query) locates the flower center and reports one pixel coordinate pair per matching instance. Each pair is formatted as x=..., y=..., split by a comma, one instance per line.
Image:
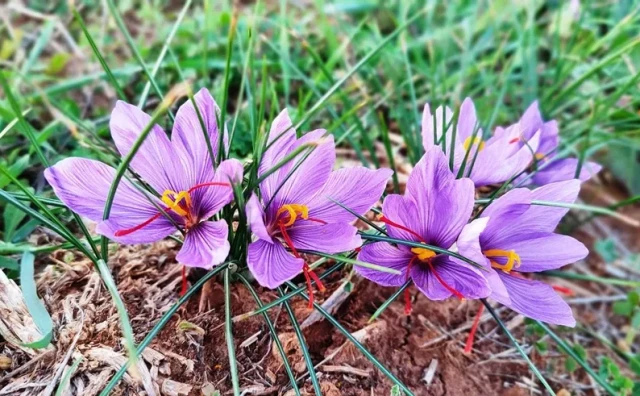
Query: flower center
x=176, y=203
x=293, y=210
x=513, y=260
x=473, y=141
x=423, y=254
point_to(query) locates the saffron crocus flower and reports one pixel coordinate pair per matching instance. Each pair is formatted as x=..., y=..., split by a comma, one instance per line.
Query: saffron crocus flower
x=434, y=210
x=552, y=170
x=519, y=238
x=178, y=170
x=297, y=209
x=486, y=162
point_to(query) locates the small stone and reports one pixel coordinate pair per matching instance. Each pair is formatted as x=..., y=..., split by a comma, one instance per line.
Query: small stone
x=5, y=362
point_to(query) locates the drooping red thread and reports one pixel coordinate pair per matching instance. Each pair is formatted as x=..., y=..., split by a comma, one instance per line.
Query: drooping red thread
x=472, y=334
x=308, y=273
x=443, y=283
x=208, y=184
x=128, y=231
x=394, y=224
x=564, y=290
x=514, y=140
x=316, y=220
x=407, y=294
x=183, y=289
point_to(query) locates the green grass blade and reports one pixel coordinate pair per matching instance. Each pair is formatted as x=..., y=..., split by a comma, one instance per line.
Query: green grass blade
x=592, y=278
x=164, y=319
x=569, y=351
x=36, y=308
x=64, y=381
x=515, y=343
x=356, y=343
x=303, y=345
x=391, y=299
x=352, y=261
x=274, y=335
x=228, y=331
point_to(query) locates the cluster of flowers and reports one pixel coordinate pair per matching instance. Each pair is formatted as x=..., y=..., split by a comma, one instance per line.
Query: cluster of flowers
x=301, y=205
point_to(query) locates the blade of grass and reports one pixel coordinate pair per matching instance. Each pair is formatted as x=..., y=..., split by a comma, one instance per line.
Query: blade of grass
x=515, y=343
x=352, y=261
x=391, y=299
x=569, y=351
x=228, y=332
x=36, y=308
x=303, y=345
x=591, y=278
x=274, y=335
x=164, y=319
x=357, y=343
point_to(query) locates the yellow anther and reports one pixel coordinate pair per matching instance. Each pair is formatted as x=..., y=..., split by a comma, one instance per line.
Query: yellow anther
x=512, y=259
x=472, y=141
x=423, y=254
x=539, y=156
x=293, y=210
x=173, y=199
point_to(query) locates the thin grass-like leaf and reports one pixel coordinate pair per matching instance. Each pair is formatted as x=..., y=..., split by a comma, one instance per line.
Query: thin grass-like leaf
x=274, y=335
x=66, y=379
x=570, y=351
x=303, y=345
x=391, y=299
x=164, y=319
x=36, y=308
x=591, y=278
x=352, y=261
x=356, y=343
x=228, y=332
x=515, y=343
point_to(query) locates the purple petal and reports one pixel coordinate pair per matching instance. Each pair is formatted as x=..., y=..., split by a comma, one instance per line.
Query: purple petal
x=211, y=199
x=355, y=188
x=463, y=278
x=326, y=238
x=386, y=255
x=443, y=203
x=443, y=118
x=565, y=169
x=531, y=120
x=311, y=175
x=497, y=163
x=205, y=245
x=549, y=138
x=156, y=160
x=271, y=264
x=537, y=300
x=542, y=252
x=504, y=214
x=189, y=140
x=540, y=218
x=401, y=211
x=255, y=217
x=83, y=185
x=282, y=137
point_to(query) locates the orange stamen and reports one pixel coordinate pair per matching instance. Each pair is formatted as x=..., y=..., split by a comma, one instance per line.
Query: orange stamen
x=472, y=334
x=128, y=231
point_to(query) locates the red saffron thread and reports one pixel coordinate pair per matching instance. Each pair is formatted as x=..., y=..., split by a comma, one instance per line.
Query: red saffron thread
x=443, y=283
x=128, y=231
x=183, y=289
x=407, y=294
x=472, y=334
x=208, y=184
x=564, y=290
x=394, y=224
x=316, y=220
x=514, y=140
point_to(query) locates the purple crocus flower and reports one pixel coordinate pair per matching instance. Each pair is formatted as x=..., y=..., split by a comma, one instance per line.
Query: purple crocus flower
x=489, y=161
x=178, y=170
x=434, y=210
x=553, y=170
x=296, y=210
x=519, y=238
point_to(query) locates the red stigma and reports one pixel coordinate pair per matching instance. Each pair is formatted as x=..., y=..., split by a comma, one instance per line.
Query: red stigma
x=514, y=140
x=563, y=290
x=183, y=289
x=209, y=184
x=133, y=229
x=407, y=294
x=472, y=334
x=307, y=271
x=443, y=283
x=394, y=224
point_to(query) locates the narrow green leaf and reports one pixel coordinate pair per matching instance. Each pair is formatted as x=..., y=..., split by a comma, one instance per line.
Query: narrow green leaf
x=228, y=331
x=36, y=308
